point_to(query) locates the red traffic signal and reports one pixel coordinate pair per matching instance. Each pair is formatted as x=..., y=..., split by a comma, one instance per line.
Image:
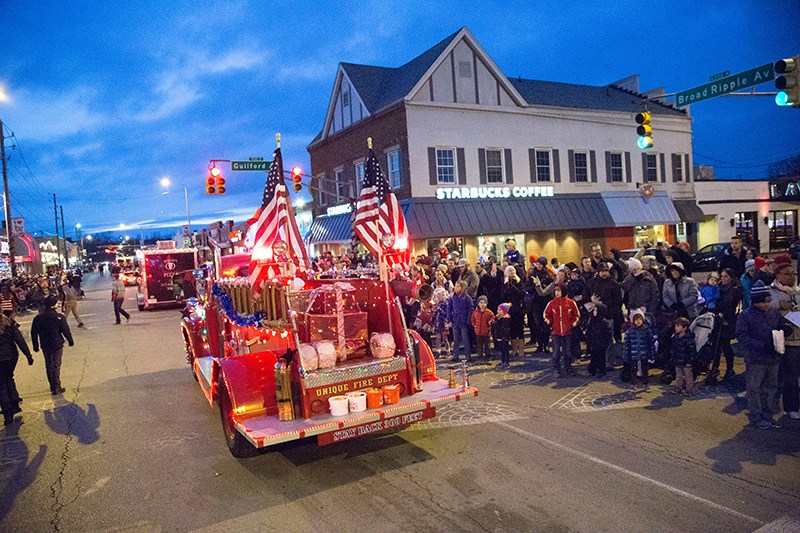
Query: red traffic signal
x=298, y=185
x=210, y=185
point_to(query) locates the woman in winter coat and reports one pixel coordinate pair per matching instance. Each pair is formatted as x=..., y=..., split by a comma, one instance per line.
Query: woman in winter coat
x=680, y=292
x=440, y=281
x=10, y=340
x=514, y=293
x=730, y=294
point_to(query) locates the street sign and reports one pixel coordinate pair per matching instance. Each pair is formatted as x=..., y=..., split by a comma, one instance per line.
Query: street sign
x=748, y=78
x=719, y=76
x=250, y=165
x=261, y=158
x=185, y=232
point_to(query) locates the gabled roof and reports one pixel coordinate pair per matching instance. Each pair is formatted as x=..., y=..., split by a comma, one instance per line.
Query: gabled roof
x=604, y=98
x=380, y=87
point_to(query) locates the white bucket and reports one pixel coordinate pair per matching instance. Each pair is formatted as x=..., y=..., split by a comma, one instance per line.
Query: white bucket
x=358, y=401
x=339, y=405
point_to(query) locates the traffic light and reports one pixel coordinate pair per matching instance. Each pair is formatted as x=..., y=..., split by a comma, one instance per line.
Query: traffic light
x=789, y=83
x=298, y=185
x=220, y=185
x=644, y=130
x=211, y=185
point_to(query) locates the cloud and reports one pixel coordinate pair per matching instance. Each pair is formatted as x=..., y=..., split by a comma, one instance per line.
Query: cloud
x=48, y=115
x=79, y=151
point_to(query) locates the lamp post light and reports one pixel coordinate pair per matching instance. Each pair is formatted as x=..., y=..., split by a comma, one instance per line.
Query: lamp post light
x=165, y=183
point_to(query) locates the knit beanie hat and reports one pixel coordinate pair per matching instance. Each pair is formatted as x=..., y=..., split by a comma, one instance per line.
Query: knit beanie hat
x=572, y=266
x=760, y=293
x=782, y=261
x=750, y=266
x=634, y=263
x=542, y=259
x=636, y=312
x=504, y=308
x=483, y=299
x=50, y=301
x=439, y=294
x=759, y=262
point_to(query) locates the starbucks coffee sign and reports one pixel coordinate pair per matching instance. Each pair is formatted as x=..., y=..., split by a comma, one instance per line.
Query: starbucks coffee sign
x=471, y=193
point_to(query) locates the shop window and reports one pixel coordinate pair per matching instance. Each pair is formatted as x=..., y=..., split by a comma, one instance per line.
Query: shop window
x=615, y=164
x=543, y=165
x=494, y=165
x=582, y=167
x=782, y=229
x=494, y=246
x=746, y=227
x=444, y=247
x=393, y=168
x=446, y=165
x=651, y=161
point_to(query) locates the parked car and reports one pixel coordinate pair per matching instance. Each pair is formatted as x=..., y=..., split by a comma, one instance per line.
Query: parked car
x=707, y=258
x=794, y=249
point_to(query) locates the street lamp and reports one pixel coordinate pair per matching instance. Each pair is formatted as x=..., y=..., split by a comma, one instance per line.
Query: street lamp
x=165, y=183
x=79, y=241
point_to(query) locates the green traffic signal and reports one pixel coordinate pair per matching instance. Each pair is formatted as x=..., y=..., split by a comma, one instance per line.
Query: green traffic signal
x=644, y=130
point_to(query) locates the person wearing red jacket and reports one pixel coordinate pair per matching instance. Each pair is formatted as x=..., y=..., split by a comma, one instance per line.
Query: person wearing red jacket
x=562, y=315
x=481, y=321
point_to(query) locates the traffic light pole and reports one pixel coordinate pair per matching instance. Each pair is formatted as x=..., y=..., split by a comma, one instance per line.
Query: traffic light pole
x=9, y=233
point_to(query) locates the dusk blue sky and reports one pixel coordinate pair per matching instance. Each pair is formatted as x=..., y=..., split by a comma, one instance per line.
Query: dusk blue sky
x=106, y=98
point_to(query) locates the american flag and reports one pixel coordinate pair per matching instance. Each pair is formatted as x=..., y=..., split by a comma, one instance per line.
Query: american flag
x=378, y=211
x=275, y=217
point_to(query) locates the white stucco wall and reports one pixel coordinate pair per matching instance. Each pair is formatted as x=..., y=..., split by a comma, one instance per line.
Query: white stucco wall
x=472, y=127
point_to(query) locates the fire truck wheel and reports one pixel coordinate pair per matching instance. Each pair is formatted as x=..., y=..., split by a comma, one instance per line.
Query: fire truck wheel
x=237, y=444
x=141, y=307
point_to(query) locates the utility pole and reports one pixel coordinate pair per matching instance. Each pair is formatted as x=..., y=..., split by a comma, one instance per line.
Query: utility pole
x=9, y=233
x=64, y=234
x=58, y=244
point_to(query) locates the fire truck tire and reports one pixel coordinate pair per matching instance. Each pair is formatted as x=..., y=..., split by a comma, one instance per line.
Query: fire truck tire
x=237, y=444
x=141, y=307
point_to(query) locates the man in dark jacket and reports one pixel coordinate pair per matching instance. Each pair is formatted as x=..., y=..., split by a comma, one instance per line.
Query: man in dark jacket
x=754, y=331
x=641, y=288
x=10, y=339
x=49, y=329
x=608, y=292
x=735, y=258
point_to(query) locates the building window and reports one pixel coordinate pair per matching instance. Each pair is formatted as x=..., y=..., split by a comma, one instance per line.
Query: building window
x=677, y=167
x=581, y=167
x=393, y=164
x=782, y=229
x=494, y=165
x=746, y=226
x=543, y=165
x=342, y=190
x=652, y=167
x=445, y=247
x=322, y=188
x=345, y=98
x=359, y=177
x=615, y=162
x=446, y=165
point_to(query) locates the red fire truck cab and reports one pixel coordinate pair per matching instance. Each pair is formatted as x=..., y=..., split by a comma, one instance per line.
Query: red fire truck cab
x=327, y=358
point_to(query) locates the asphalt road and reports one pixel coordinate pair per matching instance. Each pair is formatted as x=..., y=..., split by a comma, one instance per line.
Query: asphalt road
x=134, y=446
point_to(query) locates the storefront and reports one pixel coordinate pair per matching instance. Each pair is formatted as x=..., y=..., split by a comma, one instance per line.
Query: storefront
x=562, y=225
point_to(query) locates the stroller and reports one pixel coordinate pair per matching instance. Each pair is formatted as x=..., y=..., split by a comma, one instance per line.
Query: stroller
x=706, y=335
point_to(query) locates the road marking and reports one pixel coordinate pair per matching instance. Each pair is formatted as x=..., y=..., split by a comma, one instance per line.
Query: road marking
x=631, y=473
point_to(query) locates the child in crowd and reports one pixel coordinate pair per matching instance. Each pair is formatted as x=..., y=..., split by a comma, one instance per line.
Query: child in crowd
x=459, y=314
x=482, y=323
x=502, y=329
x=710, y=292
x=441, y=342
x=598, y=339
x=639, y=349
x=683, y=352
x=562, y=315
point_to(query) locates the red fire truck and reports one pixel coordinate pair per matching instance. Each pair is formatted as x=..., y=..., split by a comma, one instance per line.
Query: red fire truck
x=163, y=273
x=328, y=358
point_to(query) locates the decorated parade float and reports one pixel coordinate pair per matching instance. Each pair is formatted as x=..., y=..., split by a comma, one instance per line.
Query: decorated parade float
x=286, y=356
